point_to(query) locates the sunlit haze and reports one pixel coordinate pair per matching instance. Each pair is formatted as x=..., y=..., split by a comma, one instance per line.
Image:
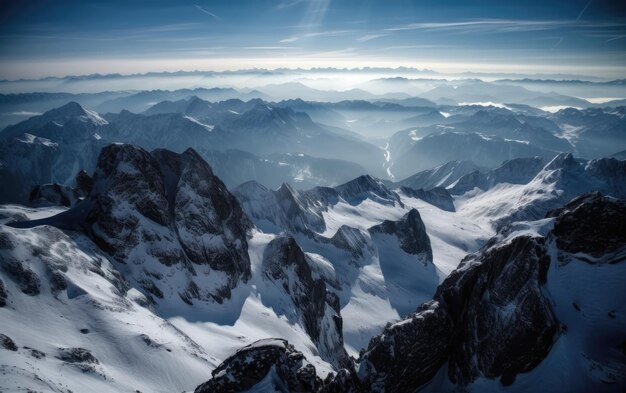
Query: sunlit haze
x=41, y=38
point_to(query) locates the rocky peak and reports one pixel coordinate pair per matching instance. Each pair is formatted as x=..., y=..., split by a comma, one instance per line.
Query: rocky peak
x=613, y=173
x=252, y=364
x=367, y=187
x=288, y=209
x=515, y=171
x=45, y=195
x=437, y=196
x=441, y=176
x=286, y=265
x=411, y=233
x=69, y=123
x=351, y=239
x=504, y=324
x=592, y=224
x=70, y=109
x=72, y=112
x=84, y=183
x=170, y=208
x=132, y=175
x=561, y=161
x=246, y=191
x=494, y=316
x=489, y=318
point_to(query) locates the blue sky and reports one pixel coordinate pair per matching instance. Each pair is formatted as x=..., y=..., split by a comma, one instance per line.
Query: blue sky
x=40, y=38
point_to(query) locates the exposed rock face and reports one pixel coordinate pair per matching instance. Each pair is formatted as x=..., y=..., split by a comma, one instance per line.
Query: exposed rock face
x=3, y=294
x=82, y=359
x=287, y=368
x=53, y=195
x=563, y=179
x=170, y=208
x=84, y=182
x=515, y=171
x=493, y=317
x=77, y=355
x=504, y=325
x=61, y=195
x=27, y=280
x=295, y=211
x=285, y=208
x=26, y=161
x=437, y=196
x=441, y=176
x=351, y=239
x=210, y=224
x=588, y=224
x=7, y=343
x=48, y=148
x=411, y=233
x=489, y=318
x=408, y=353
x=367, y=187
x=285, y=264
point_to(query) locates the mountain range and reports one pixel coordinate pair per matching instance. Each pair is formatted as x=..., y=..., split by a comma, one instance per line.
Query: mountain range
x=290, y=238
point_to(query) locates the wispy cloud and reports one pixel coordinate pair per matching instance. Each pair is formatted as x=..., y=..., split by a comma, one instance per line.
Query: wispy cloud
x=316, y=34
x=583, y=10
x=207, y=12
x=289, y=4
x=426, y=46
x=619, y=37
x=558, y=42
x=270, y=47
x=369, y=37
x=333, y=53
x=486, y=25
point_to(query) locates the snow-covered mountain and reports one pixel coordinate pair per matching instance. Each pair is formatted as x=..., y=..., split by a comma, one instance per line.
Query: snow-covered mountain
x=158, y=256
x=515, y=171
x=562, y=179
x=521, y=314
x=595, y=132
x=440, y=176
x=158, y=238
x=210, y=239
x=69, y=139
x=412, y=153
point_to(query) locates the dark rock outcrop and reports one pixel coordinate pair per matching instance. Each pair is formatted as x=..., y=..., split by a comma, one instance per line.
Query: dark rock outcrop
x=24, y=277
x=163, y=212
x=53, y=195
x=350, y=239
x=84, y=182
x=504, y=324
x=411, y=233
x=493, y=316
x=409, y=353
x=3, y=294
x=286, y=208
x=285, y=264
x=590, y=224
x=367, y=187
x=251, y=364
x=77, y=355
x=437, y=196
x=488, y=318
x=173, y=205
x=7, y=343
